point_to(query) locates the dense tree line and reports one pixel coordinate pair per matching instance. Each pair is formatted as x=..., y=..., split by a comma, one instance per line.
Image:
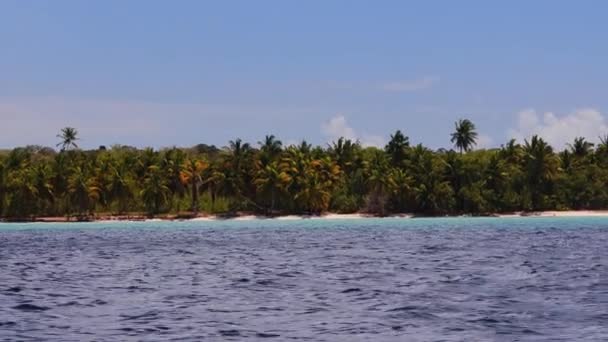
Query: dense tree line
x=271, y=179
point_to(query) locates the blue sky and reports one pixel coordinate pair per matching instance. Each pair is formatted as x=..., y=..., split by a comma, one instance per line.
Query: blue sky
x=157, y=73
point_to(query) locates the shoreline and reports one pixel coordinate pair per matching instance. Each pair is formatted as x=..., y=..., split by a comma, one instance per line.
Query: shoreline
x=327, y=216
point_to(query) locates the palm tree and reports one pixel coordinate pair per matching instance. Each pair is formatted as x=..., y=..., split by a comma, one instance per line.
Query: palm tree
x=380, y=183
x=465, y=136
x=191, y=175
x=456, y=175
x=316, y=179
x=68, y=136
x=238, y=155
x=238, y=151
x=402, y=191
x=22, y=193
x=580, y=147
x=496, y=179
x=83, y=190
x=171, y=166
x=214, y=182
x=42, y=180
x=155, y=190
x=432, y=191
x=304, y=147
x=511, y=152
x=270, y=148
x=397, y=148
x=344, y=152
x=541, y=166
x=272, y=180
x=121, y=186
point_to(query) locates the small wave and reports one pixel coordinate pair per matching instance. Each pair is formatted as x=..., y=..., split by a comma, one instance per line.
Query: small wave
x=292, y=274
x=183, y=251
x=99, y=302
x=403, y=308
x=265, y=282
x=231, y=332
x=266, y=335
x=29, y=307
x=146, y=316
x=351, y=290
x=312, y=311
x=485, y=321
x=70, y=303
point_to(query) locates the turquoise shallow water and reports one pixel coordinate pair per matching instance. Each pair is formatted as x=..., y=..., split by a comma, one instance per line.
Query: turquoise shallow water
x=400, y=223
x=426, y=279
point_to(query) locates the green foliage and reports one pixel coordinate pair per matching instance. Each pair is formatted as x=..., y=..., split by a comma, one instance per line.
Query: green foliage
x=464, y=136
x=273, y=179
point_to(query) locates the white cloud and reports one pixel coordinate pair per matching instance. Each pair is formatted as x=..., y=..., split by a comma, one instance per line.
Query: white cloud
x=373, y=140
x=558, y=131
x=411, y=85
x=484, y=141
x=337, y=127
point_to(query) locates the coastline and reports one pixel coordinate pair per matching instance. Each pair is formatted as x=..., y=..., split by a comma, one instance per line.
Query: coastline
x=326, y=216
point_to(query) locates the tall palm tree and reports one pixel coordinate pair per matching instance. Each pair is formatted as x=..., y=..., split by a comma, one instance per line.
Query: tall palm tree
x=402, y=190
x=238, y=151
x=271, y=147
x=345, y=153
x=316, y=181
x=380, y=183
x=397, y=148
x=191, y=175
x=171, y=166
x=155, y=190
x=214, y=182
x=465, y=136
x=432, y=191
x=83, y=190
x=272, y=180
x=238, y=155
x=511, y=152
x=541, y=166
x=68, y=136
x=456, y=175
x=496, y=179
x=22, y=193
x=121, y=185
x=304, y=147
x=42, y=180
x=581, y=147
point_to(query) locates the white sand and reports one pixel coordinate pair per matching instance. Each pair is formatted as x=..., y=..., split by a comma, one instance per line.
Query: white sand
x=333, y=216
x=247, y=218
x=329, y=216
x=555, y=213
x=205, y=218
x=290, y=218
x=574, y=213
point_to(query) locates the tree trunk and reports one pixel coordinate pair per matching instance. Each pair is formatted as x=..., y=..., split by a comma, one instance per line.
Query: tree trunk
x=194, y=196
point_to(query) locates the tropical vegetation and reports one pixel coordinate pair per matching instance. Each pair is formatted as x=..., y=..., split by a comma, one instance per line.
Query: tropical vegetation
x=270, y=178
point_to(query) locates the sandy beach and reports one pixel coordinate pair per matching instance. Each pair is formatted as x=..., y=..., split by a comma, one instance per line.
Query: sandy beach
x=327, y=216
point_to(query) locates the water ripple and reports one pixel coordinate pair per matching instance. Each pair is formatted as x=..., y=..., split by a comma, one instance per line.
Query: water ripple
x=417, y=280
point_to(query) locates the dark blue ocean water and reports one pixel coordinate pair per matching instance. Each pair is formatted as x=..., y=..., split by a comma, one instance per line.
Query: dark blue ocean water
x=457, y=279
